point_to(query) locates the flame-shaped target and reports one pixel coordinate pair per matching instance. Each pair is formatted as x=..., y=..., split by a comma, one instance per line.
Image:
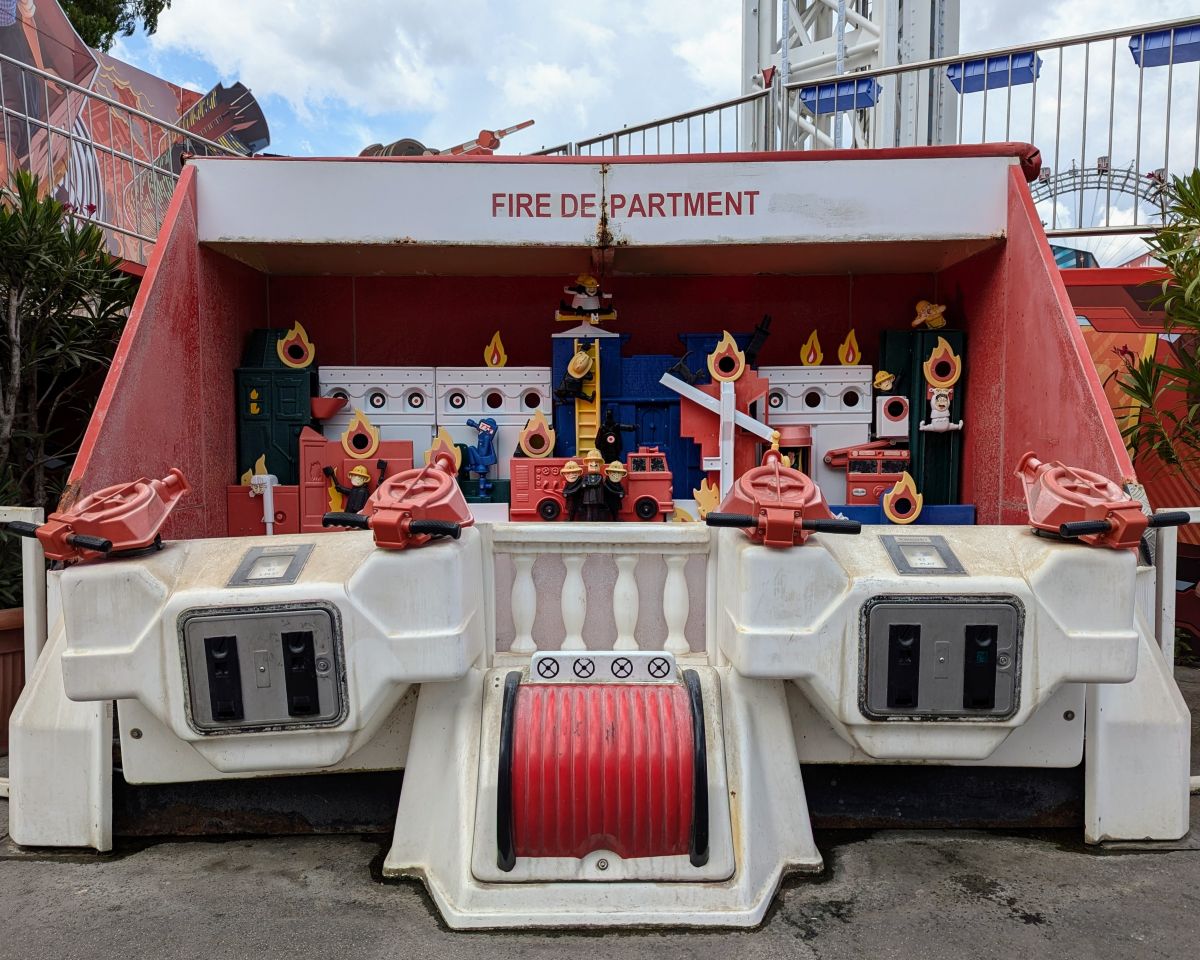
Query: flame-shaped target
x=444, y=445
x=295, y=350
x=258, y=470
x=944, y=366
x=361, y=438
x=726, y=362
x=848, y=353
x=537, y=439
x=902, y=504
x=493, y=353
x=810, y=353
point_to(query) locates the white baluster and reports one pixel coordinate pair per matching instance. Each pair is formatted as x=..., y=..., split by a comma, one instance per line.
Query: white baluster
x=524, y=602
x=675, y=604
x=625, y=602
x=574, y=601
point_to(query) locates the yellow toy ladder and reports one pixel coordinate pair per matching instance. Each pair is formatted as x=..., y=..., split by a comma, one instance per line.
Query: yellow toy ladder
x=587, y=415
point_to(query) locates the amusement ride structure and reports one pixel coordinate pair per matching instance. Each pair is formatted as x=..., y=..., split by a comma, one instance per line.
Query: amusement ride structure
x=620, y=516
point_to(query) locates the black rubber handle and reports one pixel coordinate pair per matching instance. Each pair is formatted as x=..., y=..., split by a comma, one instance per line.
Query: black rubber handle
x=832, y=526
x=356, y=520
x=22, y=528
x=437, y=528
x=84, y=542
x=1176, y=518
x=1083, y=528
x=731, y=520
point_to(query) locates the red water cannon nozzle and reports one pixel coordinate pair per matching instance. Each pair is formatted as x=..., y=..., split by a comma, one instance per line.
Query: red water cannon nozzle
x=1081, y=505
x=412, y=508
x=777, y=506
x=117, y=521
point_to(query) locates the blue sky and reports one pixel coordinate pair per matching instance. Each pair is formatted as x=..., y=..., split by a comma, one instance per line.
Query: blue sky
x=333, y=78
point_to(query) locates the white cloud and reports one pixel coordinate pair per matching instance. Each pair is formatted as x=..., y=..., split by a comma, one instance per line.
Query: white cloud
x=363, y=71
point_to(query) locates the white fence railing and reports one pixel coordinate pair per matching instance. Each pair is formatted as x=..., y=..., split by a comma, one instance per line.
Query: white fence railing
x=113, y=163
x=647, y=587
x=1114, y=113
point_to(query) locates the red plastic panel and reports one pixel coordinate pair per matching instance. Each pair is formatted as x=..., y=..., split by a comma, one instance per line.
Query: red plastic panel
x=602, y=767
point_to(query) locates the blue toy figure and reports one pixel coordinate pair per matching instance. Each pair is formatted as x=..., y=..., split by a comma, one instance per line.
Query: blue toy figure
x=482, y=456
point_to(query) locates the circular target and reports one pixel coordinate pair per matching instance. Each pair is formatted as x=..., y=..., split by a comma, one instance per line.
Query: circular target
x=377, y=399
x=457, y=400
x=659, y=667
x=547, y=668
x=584, y=667
x=622, y=667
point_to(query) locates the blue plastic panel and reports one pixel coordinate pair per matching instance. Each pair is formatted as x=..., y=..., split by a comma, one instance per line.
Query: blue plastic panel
x=946, y=514
x=843, y=95
x=1013, y=69
x=1157, y=47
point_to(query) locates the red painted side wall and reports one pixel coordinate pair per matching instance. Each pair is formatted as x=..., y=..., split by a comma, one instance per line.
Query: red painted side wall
x=168, y=398
x=399, y=321
x=1032, y=385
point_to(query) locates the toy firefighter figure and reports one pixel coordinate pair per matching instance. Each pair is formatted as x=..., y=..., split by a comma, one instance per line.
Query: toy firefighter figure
x=587, y=495
x=608, y=440
x=614, y=493
x=930, y=315
x=357, y=493
x=587, y=300
x=482, y=456
x=884, y=381
x=939, y=413
x=578, y=370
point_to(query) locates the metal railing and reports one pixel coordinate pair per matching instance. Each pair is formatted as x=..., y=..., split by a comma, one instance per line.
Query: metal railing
x=113, y=163
x=1113, y=116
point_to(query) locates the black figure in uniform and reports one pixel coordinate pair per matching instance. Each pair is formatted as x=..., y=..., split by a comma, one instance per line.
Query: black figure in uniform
x=608, y=440
x=614, y=493
x=358, y=492
x=587, y=496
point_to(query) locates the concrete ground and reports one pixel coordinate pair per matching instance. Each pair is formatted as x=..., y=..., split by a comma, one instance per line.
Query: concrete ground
x=888, y=894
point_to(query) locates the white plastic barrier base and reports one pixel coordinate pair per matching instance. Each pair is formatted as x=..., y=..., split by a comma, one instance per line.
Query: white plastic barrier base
x=1137, y=754
x=436, y=819
x=60, y=762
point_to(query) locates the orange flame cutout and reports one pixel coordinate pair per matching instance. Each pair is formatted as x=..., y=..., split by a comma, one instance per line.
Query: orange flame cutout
x=295, y=349
x=810, y=353
x=443, y=444
x=708, y=497
x=902, y=504
x=944, y=366
x=848, y=352
x=726, y=362
x=537, y=439
x=361, y=438
x=258, y=470
x=493, y=353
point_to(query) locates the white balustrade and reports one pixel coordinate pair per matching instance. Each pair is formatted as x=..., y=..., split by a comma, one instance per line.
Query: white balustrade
x=625, y=602
x=633, y=547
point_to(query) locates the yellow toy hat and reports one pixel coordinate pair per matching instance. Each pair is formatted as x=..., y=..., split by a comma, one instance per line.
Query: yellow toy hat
x=580, y=364
x=360, y=471
x=571, y=469
x=884, y=380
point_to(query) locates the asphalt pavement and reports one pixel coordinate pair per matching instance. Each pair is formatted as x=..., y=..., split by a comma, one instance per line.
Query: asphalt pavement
x=886, y=894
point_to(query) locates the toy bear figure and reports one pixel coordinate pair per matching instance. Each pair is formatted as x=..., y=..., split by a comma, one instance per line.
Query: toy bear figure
x=939, y=413
x=482, y=457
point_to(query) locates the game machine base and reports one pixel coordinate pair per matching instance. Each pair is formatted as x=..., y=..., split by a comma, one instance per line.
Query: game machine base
x=637, y=610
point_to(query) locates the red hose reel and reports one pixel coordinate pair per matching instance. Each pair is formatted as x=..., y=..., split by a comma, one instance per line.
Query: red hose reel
x=120, y=520
x=1078, y=504
x=621, y=767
